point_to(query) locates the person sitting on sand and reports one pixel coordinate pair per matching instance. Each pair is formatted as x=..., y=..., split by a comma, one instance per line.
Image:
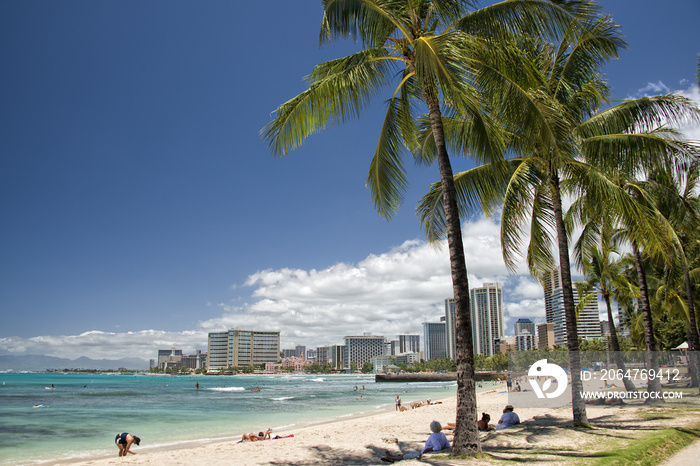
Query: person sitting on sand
x=509, y=418
x=436, y=442
x=124, y=442
x=483, y=423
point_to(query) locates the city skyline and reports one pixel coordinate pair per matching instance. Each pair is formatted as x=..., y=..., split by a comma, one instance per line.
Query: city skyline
x=140, y=209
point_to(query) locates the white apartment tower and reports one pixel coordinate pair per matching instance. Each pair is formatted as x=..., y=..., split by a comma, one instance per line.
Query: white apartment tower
x=240, y=348
x=486, y=306
x=588, y=324
x=361, y=349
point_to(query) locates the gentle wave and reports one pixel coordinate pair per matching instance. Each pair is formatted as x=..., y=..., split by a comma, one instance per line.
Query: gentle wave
x=318, y=380
x=282, y=398
x=227, y=389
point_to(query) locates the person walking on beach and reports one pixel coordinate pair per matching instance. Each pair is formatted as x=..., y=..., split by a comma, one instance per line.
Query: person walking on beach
x=124, y=442
x=398, y=403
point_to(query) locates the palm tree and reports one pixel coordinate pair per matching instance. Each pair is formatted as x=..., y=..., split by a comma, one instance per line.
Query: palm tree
x=604, y=274
x=676, y=198
x=575, y=151
x=433, y=48
x=559, y=90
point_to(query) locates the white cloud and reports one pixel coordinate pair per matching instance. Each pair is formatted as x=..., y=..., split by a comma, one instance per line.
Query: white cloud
x=692, y=130
x=651, y=89
x=385, y=294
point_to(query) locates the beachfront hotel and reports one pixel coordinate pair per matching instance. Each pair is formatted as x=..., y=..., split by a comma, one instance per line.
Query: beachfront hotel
x=588, y=323
x=241, y=348
x=361, y=349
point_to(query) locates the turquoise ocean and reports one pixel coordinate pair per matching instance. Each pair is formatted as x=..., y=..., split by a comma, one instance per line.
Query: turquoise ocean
x=82, y=414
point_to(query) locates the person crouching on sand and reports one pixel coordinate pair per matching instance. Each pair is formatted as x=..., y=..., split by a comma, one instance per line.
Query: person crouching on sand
x=124, y=442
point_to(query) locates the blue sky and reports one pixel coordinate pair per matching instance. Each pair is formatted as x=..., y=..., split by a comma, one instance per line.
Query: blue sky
x=139, y=208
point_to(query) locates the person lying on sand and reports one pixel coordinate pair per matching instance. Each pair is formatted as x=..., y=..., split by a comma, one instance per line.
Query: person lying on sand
x=254, y=438
x=436, y=442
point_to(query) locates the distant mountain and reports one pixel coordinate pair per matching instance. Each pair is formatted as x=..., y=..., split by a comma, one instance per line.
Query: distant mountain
x=39, y=363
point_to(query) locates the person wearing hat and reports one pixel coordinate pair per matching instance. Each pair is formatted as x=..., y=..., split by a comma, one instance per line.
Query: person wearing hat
x=124, y=442
x=436, y=442
x=509, y=418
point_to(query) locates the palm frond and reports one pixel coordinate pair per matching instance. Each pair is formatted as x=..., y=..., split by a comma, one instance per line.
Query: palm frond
x=386, y=178
x=338, y=91
x=371, y=21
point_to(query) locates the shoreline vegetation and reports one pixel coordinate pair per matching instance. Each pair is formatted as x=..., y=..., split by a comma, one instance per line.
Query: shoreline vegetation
x=631, y=433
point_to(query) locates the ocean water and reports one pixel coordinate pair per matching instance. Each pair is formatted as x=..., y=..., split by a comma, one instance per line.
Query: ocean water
x=82, y=414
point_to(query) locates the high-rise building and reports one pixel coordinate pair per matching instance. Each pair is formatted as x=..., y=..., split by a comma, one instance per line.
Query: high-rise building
x=525, y=341
x=240, y=348
x=409, y=344
x=588, y=324
x=361, y=349
x=300, y=351
x=311, y=354
x=434, y=340
x=331, y=354
x=525, y=335
x=486, y=306
x=451, y=327
x=394, y=348
x=524, y=325
x=545, y=336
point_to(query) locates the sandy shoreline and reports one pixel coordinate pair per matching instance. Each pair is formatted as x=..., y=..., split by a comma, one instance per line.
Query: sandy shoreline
x=360, y=439
x=364, y=439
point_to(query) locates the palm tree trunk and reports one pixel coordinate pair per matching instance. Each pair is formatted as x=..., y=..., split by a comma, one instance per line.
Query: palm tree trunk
x=578, y=404
x=466, y=438
x=652, y=360
x=617, y=355
x=694, y=339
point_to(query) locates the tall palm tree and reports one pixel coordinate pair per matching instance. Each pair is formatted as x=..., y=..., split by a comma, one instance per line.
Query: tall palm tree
x=603, y=274
x=676, y=198
x=433, y=48
x=559, y=90
x=575, y=151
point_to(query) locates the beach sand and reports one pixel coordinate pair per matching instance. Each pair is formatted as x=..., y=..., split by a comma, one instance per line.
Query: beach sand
x=364, y=440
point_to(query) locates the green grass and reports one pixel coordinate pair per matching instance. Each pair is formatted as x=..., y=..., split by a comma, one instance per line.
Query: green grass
x=650, y=450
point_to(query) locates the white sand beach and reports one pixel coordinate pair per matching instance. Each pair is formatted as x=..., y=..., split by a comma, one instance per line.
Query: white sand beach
x=360, y=440
x=541, y=438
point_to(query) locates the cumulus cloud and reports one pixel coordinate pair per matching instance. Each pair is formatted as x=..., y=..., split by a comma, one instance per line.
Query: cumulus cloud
x=651, y=89
x=385, y=294
x=103, y=345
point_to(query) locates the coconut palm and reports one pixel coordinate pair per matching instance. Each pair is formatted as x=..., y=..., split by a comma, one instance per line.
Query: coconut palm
x=574, y=150
x=561, y=88
x=603, y=273
x=429, y=53
x=676, y=198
